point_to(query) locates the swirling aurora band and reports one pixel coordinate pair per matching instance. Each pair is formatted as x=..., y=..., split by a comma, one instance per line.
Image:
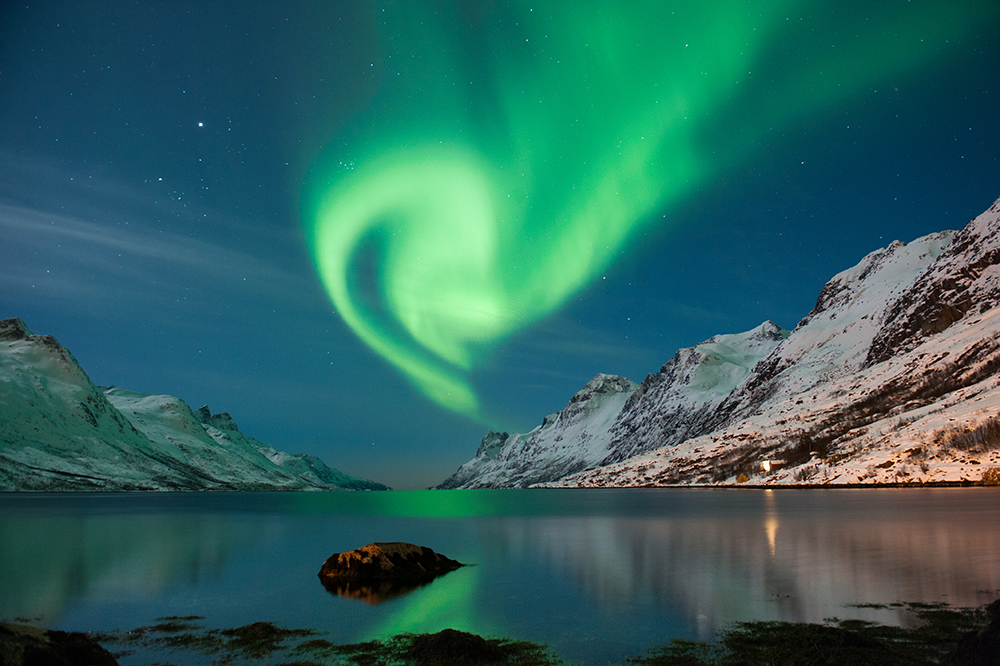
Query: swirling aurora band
x=510, y=155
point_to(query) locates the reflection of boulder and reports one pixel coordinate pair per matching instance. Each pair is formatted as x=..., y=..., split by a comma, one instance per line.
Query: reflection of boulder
x=370, y=592
x=21, y=644
x=381, y=571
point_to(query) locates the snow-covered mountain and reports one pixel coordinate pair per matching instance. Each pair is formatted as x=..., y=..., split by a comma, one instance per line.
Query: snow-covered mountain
x=892, y=378
x=613, y=418
x=58, y=431
x=566, y=442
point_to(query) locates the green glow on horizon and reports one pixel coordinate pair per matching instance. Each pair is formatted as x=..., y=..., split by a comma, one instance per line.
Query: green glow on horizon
x=426, y=503
x=511, y=157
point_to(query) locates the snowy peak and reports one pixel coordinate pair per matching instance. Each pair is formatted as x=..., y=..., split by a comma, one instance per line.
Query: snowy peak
x=964, y=278
x=714, y=367
x=602, y=384
x=494, y=441
x=891, y=378
x=13, y=329
x=61, y=432
x=49, y=403
x=767, y=333
x=590, y=399
x=612, y=417
x=707, y=372
x=835, y=339
x=680, y=401
x=567, y=441
x=43, y=350
x=221, y=421
x=892, y=301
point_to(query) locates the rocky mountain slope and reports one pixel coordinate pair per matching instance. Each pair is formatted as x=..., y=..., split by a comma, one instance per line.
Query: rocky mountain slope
x=566, y=442
x=892, y=378
x=58, y=431
x=612, y=418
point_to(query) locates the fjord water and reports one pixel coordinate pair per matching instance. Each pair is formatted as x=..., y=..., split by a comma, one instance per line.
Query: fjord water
x=596, y=574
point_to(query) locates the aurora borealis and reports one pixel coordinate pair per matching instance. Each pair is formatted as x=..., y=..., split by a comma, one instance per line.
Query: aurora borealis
x=488, y=202
x=370, y=231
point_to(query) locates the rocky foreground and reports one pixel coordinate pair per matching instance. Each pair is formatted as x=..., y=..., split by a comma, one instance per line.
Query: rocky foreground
x=939, y=635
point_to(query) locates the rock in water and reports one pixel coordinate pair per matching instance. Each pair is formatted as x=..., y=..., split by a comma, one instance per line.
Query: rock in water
x=388, y=561
x=21, y=645
x=981, y=648
x=381, y=571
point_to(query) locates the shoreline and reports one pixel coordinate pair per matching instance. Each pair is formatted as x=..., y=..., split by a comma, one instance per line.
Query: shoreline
x=942, y=634
x=699, y=486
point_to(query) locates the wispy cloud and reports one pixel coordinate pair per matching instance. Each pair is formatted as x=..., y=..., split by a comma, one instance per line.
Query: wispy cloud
x=105, y=247
x=33, y=237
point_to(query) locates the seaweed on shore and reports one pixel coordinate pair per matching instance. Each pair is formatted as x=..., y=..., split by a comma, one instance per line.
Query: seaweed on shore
x=448, y=647
x=935, y=641
x=942, y=636
x=252, y=641
x=260, y=640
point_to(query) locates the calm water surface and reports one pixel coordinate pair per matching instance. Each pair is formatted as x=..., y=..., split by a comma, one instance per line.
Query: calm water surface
x=596, y=574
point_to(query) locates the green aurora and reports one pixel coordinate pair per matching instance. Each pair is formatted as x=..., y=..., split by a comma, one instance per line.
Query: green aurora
x=449, y=602
x=511, y=154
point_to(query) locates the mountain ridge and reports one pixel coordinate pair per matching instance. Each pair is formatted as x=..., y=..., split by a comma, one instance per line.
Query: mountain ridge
x=59, y=431
x=895, y=364
x=712, y=367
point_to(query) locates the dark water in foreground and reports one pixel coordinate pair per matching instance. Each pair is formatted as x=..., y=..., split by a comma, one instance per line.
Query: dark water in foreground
x=596, y=574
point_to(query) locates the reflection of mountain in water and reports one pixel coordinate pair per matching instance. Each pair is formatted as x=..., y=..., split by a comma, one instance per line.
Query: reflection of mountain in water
x=104, y=557
x=793, y=560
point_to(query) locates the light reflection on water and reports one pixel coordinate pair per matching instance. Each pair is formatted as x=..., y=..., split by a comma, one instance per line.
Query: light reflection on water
x=596, y=574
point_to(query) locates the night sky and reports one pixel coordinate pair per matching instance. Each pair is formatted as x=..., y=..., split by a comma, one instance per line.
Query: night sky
x=374, y=231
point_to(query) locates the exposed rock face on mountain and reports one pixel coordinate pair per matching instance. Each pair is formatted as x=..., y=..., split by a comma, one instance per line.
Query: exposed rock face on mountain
x=58, y=431
x=566, y=442
x=892, y=378
x=612, y=418
x=681, y=400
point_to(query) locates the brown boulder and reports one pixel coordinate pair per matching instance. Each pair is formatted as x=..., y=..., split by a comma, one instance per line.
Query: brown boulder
x=388, y=561
x=381, y=571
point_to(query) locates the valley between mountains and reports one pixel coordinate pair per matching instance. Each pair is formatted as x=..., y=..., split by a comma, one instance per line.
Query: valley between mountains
x=891, y=379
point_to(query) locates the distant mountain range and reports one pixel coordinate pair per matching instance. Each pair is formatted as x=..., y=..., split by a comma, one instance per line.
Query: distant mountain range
x=58, y=432
x=892, y=378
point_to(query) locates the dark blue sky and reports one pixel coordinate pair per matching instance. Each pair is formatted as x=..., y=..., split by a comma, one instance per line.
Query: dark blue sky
x=153, y=158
